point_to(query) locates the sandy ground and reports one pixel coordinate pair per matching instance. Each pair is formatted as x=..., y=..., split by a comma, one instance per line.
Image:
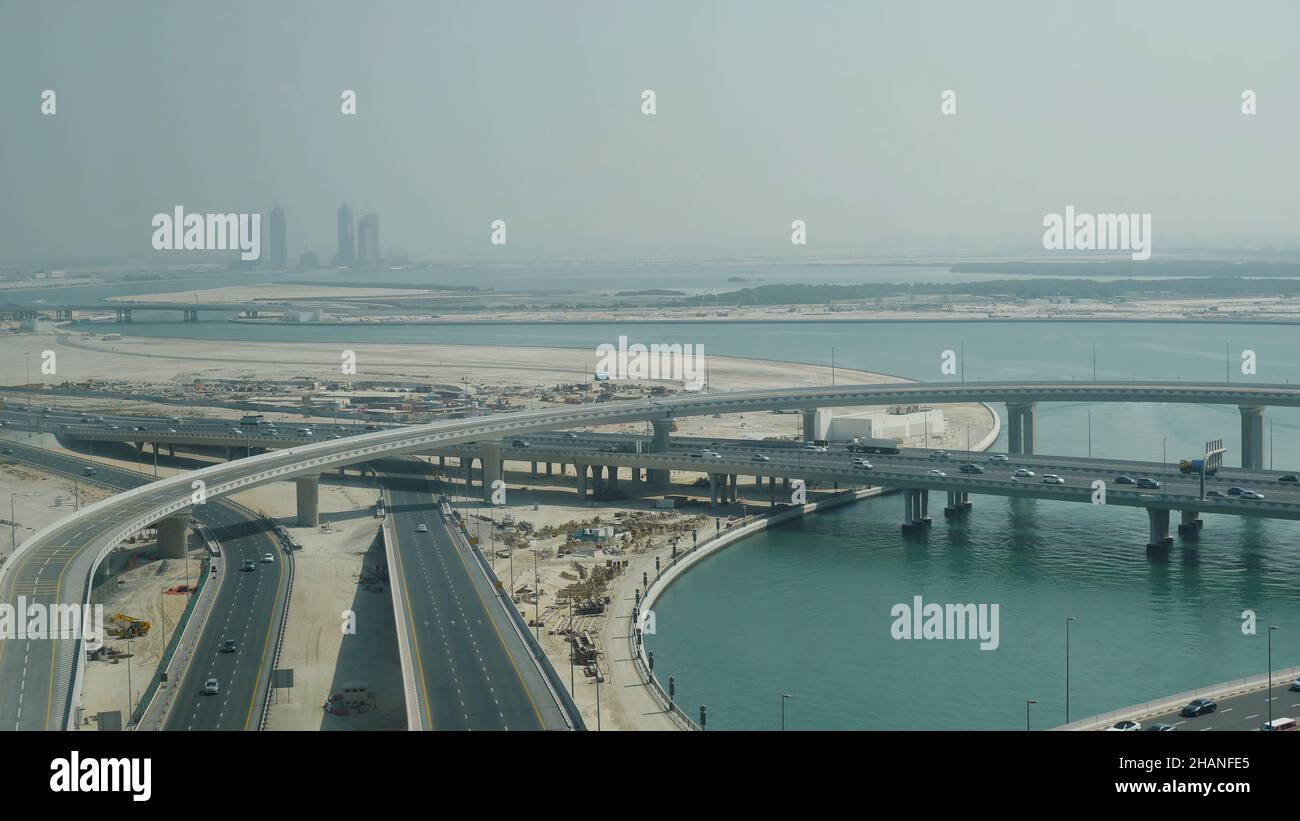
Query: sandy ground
x=331, y=564
x=140, y=593
x=1254, y=307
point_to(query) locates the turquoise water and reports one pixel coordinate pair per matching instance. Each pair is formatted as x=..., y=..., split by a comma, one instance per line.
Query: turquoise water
x=805, y=609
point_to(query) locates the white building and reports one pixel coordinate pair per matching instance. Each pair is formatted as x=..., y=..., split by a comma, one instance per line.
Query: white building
x=879, y=425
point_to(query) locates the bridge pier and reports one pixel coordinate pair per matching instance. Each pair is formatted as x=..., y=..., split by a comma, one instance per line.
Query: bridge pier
x=1158, y=518
x=491, y=462
x=713, y=490
x=1252, y=436
x=613, y=478
x=809, y=424
x=1190, y=525
x=308, y=493
x=958, y=503
x=173, y=535
x=581, y=470
x=916, y=509
x=663, y=428
x=1022, y=427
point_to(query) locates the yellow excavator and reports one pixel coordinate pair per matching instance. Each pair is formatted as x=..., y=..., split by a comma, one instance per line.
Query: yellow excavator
x=122, y=626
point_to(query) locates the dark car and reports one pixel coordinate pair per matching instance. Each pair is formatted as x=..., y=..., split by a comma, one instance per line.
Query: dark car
x=1213, y=494
x=1159, y=728
x=1198, y=707
x=228, y=646
x=1236, y=491
x=1124, y=480
x=1290, y=477
x=519, y=443
x=968, y=468
x=247, y=565
x=1149, y=484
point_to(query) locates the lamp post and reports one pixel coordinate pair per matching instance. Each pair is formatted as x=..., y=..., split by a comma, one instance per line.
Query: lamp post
x=1028, y=701
x=1068, y=619
x=784, y=696
x=1269, y=696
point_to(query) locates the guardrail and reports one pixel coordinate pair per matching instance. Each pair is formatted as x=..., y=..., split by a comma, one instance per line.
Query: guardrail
x=1164, y=705
x=287, y=547
x=572, y=715
x=414, y=715
x=146, y=699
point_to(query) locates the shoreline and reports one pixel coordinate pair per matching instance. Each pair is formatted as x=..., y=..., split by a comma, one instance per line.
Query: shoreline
x=711, y=547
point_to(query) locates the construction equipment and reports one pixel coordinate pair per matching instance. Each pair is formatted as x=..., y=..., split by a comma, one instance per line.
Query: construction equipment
x=122, y=626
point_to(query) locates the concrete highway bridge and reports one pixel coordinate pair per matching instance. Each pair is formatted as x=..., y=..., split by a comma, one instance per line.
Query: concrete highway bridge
x=122, y=309
x=72, y=548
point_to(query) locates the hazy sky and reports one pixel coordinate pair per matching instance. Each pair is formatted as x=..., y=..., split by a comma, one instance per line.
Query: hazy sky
x=530, y=112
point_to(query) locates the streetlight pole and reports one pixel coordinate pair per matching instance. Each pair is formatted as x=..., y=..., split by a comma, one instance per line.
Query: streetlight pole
x=1269, y=696
x=1090, y=426
x=1028, y=701
x=1068, y=619
x=784, y=696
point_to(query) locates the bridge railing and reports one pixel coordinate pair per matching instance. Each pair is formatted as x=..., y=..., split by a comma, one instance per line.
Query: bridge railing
x=1163, y=705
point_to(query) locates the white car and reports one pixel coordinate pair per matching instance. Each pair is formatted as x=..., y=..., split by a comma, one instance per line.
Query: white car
x=421, y=528
x=1295, y=686
x=211, y=687
x=1023, y=473
x=999, y=457
x=1251, y=494
x=936, y=472
x=267, y=558
x=1125, y=727
x=863, y=464
x=708, y=454
x=761, y=457
x=938, y=454
x=1052, y=479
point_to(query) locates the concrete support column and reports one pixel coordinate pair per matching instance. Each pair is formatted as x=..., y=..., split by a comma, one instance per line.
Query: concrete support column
x=1022, y=427
x=534, y=464
x=173, y=535
x=663, y=429
x=1191, y=523
x=613, y=478
x=1252, y=437
x=713, y=490
x=308, y=492
x=809, y=424
x=1158, y=519
x=1015, y=444
x=582, y=480
x=492, y=466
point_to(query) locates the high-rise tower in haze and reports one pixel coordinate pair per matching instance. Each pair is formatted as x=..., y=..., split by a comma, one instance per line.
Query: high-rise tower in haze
x=368, y=239
x=277, y=247
x=347, y=240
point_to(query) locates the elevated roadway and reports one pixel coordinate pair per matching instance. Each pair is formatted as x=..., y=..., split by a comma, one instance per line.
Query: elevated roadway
x=60, y=552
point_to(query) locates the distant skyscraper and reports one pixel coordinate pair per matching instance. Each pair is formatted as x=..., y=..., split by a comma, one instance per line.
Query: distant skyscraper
x=347, y=240
x=277, y=248
x=368, y=239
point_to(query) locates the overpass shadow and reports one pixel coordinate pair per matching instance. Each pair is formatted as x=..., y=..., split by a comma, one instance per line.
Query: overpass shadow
x=370, y=657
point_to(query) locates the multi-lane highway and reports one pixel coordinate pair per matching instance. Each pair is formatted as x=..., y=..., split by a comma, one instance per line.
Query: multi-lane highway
x=244, y=610
x=1248, y=711
x=62, y=551
x=471, y=669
